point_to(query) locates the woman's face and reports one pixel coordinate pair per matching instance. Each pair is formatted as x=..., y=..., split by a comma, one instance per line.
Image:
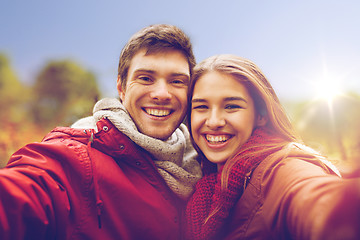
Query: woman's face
x=222, y=116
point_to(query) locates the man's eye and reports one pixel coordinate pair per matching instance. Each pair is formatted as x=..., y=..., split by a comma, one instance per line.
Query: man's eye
x=144, y=78
x=178, y=82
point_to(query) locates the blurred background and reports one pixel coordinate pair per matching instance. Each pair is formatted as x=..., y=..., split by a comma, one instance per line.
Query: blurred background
x=58, y=58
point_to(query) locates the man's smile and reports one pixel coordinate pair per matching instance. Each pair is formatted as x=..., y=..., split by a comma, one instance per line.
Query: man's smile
x=157, y=112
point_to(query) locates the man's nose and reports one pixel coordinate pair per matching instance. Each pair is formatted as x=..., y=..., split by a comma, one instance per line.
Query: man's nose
x=161, y=91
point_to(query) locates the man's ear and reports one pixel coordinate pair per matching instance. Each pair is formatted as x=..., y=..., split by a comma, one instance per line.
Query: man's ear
x=120, y=89
x=261, y=120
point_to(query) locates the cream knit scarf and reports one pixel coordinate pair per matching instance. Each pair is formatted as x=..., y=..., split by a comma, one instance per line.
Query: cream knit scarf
x=176, y=158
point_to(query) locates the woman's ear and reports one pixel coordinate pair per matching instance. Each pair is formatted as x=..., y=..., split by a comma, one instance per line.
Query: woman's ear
x=261, y=120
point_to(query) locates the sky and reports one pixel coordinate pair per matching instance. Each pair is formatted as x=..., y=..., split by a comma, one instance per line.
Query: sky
x=297, y=44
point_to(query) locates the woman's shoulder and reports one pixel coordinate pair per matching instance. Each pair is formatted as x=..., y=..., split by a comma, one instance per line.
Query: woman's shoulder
x=295, y=159
x=277, y=179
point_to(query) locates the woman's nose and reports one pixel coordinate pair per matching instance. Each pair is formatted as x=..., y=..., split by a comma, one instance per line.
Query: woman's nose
x=215, y=120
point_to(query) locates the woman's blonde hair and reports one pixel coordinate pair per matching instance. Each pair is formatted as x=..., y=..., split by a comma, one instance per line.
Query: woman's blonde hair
x=265, y=99
x=246, y=72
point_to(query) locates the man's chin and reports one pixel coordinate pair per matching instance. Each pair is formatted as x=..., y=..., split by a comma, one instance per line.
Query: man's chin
x=159, y=130
x=160, y=134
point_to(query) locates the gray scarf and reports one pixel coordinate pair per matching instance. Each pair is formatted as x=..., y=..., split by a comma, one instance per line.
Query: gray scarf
x=175, y=157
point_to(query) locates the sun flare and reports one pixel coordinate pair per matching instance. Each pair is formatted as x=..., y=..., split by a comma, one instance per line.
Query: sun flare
x=328, y=89
x=328, y=86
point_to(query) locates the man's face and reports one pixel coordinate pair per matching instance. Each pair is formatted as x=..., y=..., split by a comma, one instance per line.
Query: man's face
x=156, y=91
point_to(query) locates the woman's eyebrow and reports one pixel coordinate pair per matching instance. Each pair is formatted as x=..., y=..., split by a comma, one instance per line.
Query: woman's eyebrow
x=235, y=99
x=195, y=100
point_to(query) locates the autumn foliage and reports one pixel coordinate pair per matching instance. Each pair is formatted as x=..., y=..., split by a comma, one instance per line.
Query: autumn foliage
x=63, y=92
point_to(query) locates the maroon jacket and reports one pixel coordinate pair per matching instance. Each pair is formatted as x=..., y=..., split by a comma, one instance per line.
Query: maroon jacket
x=77, y=184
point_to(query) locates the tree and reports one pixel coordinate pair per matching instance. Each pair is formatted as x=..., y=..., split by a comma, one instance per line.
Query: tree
x=13, y=94
x=63, y=93
x=13, y=115
x=334, y=125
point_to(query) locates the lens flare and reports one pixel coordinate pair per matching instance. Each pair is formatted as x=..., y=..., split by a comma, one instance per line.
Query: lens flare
x=327, y=89
x=328, y=86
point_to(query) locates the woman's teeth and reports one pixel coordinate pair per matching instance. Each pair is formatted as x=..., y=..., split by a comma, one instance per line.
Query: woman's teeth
x=216, y=138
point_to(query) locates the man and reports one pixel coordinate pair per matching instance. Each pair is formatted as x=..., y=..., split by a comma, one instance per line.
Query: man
x=123, y=173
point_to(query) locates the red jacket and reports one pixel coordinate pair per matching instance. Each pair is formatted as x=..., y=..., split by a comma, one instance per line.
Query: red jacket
x=77, y=184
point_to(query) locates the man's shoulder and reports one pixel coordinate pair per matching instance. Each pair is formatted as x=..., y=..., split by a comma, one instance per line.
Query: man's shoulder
x=85, y=123
x=108, y=105
x=61, y=133
x=62, y=144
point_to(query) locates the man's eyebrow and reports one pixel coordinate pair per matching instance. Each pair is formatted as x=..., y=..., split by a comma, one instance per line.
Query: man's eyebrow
x=184, y=76
x=181, y=74
x=176, y=74
x=140, y=70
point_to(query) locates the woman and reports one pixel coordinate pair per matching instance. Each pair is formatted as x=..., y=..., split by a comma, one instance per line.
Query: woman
x=259, y=181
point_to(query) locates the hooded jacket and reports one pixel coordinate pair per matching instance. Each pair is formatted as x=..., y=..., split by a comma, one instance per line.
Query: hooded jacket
x=83, y=183
x=296, y=197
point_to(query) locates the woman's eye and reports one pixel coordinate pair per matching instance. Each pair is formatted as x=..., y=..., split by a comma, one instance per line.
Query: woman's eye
x=200, y=107
x=232, y=106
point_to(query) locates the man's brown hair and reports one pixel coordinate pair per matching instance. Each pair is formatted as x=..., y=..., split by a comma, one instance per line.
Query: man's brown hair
x=155, y=38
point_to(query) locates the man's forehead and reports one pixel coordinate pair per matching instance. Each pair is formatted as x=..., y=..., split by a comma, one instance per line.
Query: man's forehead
x=150, y=51
x=149, y=61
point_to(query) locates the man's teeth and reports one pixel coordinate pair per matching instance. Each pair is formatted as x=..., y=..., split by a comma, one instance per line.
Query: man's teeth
x=217, y=138
x=158, y=112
